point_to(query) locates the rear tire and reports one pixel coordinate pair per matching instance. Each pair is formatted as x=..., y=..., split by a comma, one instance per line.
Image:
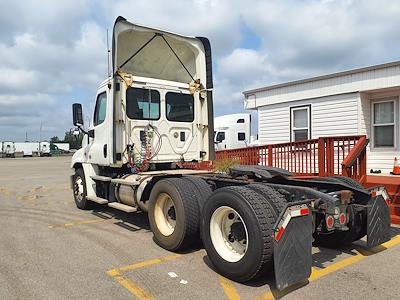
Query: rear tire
x=201, y=189
x=245, y=251
x=174, y=214
x=275, y=198
x=80, y=192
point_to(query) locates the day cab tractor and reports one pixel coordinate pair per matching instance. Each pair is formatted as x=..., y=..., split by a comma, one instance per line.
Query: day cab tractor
x=154, y=112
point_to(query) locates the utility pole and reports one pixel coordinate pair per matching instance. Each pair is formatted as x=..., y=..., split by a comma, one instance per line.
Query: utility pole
x=40, y=134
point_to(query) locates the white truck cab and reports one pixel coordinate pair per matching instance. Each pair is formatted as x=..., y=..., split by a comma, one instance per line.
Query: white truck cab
x=232, y=131
x=156, y=108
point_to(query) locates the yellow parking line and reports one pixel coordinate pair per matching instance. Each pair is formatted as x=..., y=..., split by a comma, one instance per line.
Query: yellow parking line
x=316, y=274
x=77, y=223
x=131, y=286
x=148, y=263
x=229, y=290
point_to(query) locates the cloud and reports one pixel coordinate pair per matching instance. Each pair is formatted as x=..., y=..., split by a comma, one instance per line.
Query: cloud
x=55, y=54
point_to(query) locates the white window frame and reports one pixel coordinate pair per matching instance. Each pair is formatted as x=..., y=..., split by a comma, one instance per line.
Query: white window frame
x=293, y=128
x=395, y=123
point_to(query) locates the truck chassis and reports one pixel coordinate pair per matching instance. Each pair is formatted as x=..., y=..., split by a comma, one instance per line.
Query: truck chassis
x=251, y=221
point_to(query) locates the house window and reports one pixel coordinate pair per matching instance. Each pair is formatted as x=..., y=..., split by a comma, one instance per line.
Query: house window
x=384, y=124
x=241, y=136
x=300, y=123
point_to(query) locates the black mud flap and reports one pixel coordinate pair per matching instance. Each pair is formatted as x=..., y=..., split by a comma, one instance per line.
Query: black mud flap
x=378, y=219
x=293, y=244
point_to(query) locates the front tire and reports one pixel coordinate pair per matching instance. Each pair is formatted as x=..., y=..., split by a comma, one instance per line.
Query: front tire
x=79, y=189
x=237, y=227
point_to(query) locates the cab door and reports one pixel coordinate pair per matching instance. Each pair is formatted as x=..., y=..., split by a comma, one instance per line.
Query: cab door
x=98, y=148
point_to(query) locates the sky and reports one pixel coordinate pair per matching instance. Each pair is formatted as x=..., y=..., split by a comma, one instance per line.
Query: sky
x=53, y=53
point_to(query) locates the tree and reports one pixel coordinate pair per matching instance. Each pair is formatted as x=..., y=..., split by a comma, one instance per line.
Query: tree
x=74, y=141
x=55, y=139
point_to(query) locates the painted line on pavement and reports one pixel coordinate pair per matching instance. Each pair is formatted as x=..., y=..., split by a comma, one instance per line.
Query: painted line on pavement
x=229, y=290
x=316, y=274
x=83, y=222
x=132, y=287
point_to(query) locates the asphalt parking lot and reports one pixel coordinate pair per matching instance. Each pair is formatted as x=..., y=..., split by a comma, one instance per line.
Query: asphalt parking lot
x=51, y=250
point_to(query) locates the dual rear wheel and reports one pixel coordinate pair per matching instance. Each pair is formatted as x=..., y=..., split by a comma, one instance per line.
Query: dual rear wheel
x=236, y=223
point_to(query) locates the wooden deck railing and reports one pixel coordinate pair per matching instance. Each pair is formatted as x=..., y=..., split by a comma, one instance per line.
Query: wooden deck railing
x=325, y=156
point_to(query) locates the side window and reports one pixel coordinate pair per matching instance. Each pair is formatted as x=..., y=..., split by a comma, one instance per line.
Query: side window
x=142, y=104
x=383, y=123
x=241, y=136
x=240, y=121
x=180, y=107
x=300, y=123
x=101, y=109
x=220, y=136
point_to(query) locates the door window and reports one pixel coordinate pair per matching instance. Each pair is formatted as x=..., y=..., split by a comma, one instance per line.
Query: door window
x=100, y=109
x=220, y=136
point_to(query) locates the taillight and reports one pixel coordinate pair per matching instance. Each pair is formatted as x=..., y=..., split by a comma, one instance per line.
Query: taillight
x=342, y=219
x=330, y=222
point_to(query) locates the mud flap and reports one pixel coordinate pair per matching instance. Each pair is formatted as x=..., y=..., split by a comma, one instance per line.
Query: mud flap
x=292, y=245
x=378, y=219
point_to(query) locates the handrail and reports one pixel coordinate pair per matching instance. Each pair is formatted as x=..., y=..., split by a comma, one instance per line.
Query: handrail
x=354, y=153
x=356, y=158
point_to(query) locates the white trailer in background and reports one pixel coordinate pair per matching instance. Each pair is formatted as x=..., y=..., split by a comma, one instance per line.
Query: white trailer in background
x=8, y=149
x=28, y=148
x=63, y=146
x=232, y=131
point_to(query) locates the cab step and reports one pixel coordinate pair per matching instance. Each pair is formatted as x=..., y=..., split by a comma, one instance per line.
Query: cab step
x=125, y=182
x=123, y=207
x=97, y=199
x=101, y=178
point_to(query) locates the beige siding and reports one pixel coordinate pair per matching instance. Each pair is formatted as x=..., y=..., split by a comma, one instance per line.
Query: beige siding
x=377, y=159
x=330, y=116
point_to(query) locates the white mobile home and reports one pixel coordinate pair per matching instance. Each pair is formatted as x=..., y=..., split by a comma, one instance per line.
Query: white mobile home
x=357, y=102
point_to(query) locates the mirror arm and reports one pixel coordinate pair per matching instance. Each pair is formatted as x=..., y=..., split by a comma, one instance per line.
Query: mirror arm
x=80, y=128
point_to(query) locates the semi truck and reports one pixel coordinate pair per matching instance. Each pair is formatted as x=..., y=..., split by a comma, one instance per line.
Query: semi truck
x=154, y=112
x=8, y=149
x=232, y=131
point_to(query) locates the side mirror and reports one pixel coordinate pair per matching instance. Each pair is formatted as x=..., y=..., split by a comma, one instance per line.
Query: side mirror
x=77, y=114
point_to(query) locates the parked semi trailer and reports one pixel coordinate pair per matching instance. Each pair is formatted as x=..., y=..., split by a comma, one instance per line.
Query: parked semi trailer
x=28, y=148
x=8, y=149
x=155, y=111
